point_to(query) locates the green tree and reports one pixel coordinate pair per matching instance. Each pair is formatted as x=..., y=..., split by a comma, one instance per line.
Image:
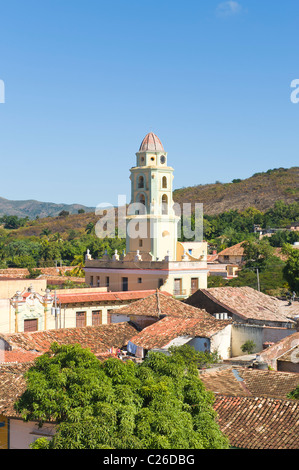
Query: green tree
x=159, y=404
x=248, y=347
x=294, y=395
x=291, y=269
x=257, y=250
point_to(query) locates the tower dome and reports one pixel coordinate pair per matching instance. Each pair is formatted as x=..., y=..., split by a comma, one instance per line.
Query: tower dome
x=151, y=143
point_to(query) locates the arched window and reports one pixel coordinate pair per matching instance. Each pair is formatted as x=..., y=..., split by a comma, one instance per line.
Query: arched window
x=164, y=204
x=140, y=182
x=141, y=201
x=164, y=182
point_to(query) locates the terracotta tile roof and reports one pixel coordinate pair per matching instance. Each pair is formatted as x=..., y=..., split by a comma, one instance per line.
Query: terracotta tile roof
x=99, y=339
x=82, y=297
x=239, y=381
x=12, y=385
x=158, y=304
x=18, y=356
x=235, y=250
x=259, y=423
x=161, y=333
x=290, y=356
x=287, y=345
x=244, y=302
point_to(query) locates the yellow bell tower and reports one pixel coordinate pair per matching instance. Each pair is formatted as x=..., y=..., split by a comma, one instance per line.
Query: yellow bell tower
x=151, y=221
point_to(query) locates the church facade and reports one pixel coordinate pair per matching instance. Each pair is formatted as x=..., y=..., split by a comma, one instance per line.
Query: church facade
x=154, y=258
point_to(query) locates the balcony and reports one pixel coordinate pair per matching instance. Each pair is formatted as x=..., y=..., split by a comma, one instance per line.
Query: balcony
x=179, y=292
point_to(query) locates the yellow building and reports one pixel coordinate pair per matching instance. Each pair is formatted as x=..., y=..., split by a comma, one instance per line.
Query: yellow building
x=154, y=259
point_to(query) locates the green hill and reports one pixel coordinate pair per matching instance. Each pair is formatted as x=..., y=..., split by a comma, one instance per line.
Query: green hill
x=261, y=191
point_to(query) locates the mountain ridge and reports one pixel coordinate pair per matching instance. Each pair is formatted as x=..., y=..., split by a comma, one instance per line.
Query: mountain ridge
x=261, y=191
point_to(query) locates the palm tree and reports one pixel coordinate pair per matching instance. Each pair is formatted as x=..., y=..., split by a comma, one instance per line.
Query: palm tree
x=89, y=228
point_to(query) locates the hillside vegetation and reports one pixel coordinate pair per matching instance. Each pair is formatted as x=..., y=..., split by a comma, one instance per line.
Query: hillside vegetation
x=261, y=191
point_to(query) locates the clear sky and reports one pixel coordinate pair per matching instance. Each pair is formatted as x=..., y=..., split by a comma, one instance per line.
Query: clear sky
x=85, y=81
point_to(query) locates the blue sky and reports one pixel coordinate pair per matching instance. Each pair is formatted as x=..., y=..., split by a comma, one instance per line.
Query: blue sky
x=85, y=81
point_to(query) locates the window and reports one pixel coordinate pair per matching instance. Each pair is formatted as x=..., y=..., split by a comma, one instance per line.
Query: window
x=194, y=285
x=98, y=281
x=139, y=280
x=30, y=325
x=140, y=182
x=164, y=204
x=226, y=257
x=140, y=243
x=80, y=319
x=164, y=182
x=160, y=283
x=96, y=317
x=178, y=287
x=107, y=281
x=125, y=284
x=91, y=281
x=109, y=314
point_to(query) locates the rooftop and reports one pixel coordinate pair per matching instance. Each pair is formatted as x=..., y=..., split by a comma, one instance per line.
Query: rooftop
x=99, y=339
x=242, y=381
x=12, y=385
x=258, y=422
x=235, y=250
x=160, y=304
x=82, y=297
x=246, y=303
x=161, y=333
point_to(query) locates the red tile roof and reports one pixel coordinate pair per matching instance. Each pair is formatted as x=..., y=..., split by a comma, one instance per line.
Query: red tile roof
x=241, y=381
x=99, y=339
x=259, y=423
x=161, y=333
x=235, y=250
x=12, y=385
x=82, y=297
x=160, y=304
x=18, y=356
x=244, y=302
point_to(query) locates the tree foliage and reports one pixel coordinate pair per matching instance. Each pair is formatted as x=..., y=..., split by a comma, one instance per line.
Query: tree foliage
x=159, y=404
x=291, y=269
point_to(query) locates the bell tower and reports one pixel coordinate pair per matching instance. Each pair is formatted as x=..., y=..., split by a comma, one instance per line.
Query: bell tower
x=151, y=221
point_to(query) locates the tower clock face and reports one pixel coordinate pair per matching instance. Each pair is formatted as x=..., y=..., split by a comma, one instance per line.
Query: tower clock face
x=163, y=159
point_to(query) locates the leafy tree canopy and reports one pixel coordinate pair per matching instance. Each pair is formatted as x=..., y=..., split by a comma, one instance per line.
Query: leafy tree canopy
x=159, y=404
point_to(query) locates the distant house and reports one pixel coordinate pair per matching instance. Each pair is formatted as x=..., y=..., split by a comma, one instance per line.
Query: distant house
x=256, y=316
x=29, y=310
x=244, y=304
x=293, y=227
x=101, y=340
x=233, y=255
x=203, y=334
x=156, y=306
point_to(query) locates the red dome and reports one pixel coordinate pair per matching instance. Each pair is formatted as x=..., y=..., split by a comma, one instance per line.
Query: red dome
x=151, y=143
